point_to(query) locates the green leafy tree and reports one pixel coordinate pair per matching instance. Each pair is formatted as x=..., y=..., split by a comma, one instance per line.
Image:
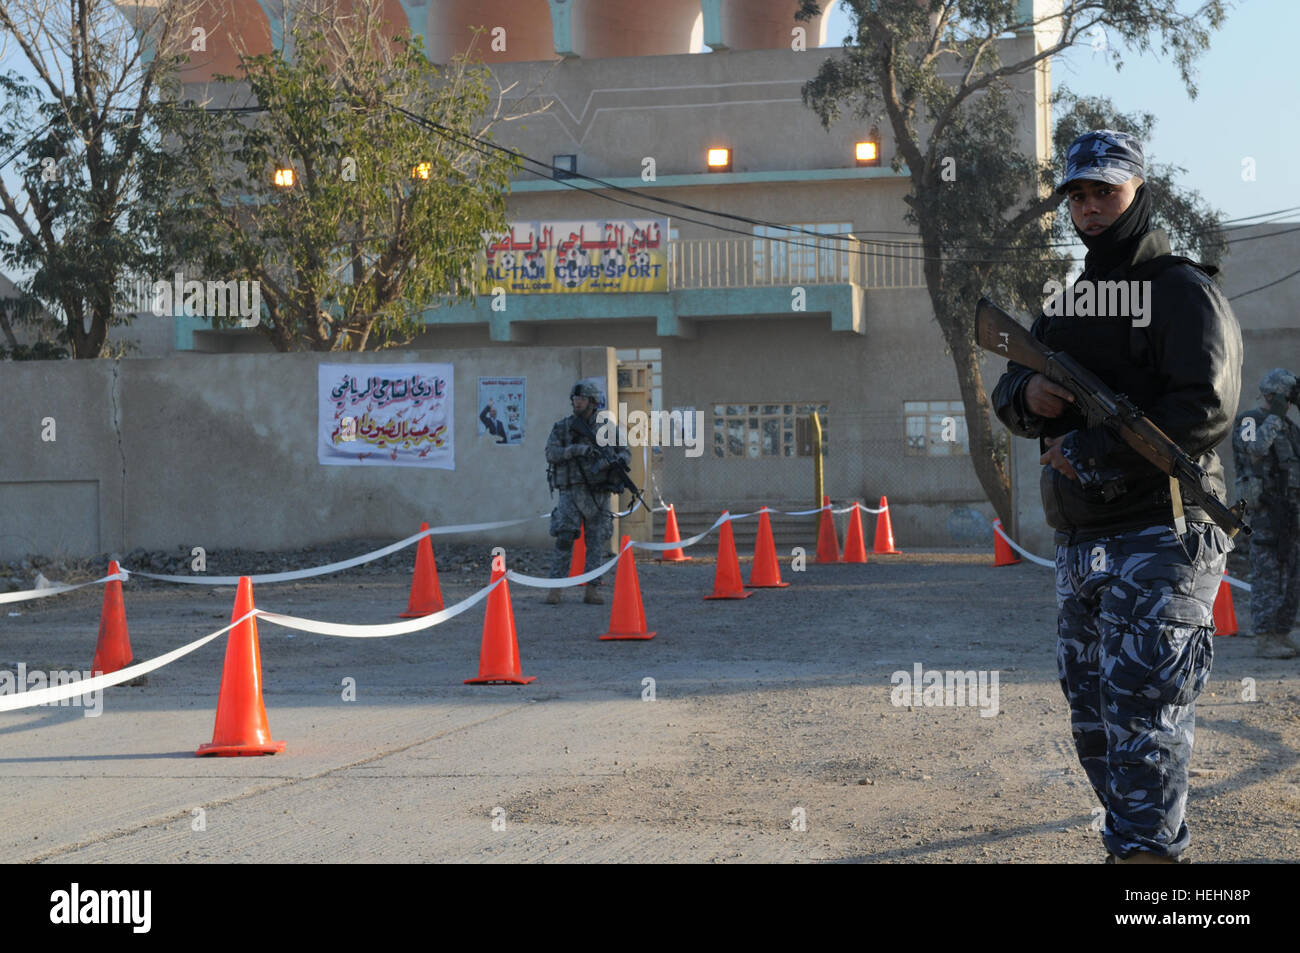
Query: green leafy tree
x=390, y=193
x=986, y=217
x=78, y=119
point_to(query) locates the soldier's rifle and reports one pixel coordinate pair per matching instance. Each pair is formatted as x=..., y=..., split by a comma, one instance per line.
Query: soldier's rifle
x=997, y=331
x=620, y=471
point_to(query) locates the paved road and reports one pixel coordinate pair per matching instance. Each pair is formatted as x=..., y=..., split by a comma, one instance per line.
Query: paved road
x=770, y=715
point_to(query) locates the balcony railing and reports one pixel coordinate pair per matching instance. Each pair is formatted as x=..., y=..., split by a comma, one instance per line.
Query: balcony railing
x=763, y=262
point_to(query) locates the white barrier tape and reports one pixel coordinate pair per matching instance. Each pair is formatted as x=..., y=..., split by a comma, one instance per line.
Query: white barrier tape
x=547, y=582
x=682, y=544
x=344, y=564
x=1051, y=565
x=845, y=509
x=1023, y=552
x=381, y=630
x=58, y=588
x=43, y=696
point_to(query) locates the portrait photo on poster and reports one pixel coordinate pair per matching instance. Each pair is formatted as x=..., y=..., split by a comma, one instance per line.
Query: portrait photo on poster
x=501, y=409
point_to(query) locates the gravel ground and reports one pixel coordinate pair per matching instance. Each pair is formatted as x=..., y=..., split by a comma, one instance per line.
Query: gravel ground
x=772, y=735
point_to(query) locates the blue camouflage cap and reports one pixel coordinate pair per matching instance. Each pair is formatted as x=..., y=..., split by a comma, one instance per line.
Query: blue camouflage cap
x=1104, y=155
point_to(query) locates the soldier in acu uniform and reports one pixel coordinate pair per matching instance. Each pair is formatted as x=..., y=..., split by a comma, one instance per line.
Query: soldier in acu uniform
x=1266, y=451
x=1137, y=565
x=581, y=474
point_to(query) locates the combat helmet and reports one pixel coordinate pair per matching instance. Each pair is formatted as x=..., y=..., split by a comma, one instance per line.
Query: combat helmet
x=1279, y=382
x=588, y=390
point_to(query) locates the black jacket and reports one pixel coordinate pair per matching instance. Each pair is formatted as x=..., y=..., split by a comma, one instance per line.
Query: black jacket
x=1183, y=370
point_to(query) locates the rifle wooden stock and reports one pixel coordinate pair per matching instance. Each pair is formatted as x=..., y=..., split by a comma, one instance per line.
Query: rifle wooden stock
x=997, y=331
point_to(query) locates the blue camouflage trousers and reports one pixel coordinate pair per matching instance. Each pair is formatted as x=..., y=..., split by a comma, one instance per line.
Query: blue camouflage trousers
x=1136, y=627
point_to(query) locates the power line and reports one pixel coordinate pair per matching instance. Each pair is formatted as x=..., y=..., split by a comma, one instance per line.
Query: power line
x=1262, y=287
x=465, y=140
x=872, y=247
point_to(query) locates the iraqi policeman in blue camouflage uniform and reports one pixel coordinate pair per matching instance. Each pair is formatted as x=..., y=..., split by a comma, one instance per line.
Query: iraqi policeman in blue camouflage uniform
x=1266, y=453
x=1137, y=565
x=581, y=475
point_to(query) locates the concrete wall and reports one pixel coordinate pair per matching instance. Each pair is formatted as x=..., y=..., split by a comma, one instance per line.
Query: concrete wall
x=614, y=112
x=864, y=378
x=220, y=451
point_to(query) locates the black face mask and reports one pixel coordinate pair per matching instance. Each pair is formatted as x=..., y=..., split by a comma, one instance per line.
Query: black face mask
x=1108, y=249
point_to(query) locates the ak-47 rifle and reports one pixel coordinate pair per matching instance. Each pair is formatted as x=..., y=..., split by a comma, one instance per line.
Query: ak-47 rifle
x=620, y=473
x=997, y=331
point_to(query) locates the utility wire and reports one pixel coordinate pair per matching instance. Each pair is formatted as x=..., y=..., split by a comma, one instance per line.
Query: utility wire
x=467, y=140
x=873, y=247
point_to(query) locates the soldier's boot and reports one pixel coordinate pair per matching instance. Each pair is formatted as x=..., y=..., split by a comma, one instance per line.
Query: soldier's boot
x=1275, y=645
x=553, y=597
x=592, y=596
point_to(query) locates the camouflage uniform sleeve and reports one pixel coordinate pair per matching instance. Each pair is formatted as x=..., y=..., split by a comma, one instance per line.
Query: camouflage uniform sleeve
x=1265, y=434
x=556, y=443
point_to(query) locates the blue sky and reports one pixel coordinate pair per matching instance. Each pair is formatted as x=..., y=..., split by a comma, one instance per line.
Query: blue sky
x=1247, y=106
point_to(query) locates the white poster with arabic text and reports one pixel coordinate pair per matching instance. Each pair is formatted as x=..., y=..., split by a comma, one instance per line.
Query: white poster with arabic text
x=386, y=415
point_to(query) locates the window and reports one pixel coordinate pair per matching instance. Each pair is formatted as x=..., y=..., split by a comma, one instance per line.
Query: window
x=935, y=428
x=564, y=166
x=809, y=259
x=765, y=430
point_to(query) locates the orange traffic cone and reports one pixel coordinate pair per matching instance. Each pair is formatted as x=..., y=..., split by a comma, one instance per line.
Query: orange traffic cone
x=828, y=542
x=1002, y=553
x=671, y=535
x=627, y=615
x=113, y=649
x=241, y=716
x=1225, y=616
x=578, y=562
x=726, y=578
x=884, y=544
x=426, y=594
x=498, y=659
x=765, y=573
x=855, y=545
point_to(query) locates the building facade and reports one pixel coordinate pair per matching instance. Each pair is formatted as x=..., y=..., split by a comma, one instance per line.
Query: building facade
x=755, y=327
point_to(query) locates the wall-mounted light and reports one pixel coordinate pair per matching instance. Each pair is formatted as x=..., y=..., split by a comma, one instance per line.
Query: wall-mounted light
x=718, y=160
x=565, y=166
x=867, y=151
x=422, y=170
x=283, y=178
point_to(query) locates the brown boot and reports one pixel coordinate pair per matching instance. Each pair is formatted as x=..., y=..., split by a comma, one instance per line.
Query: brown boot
x=1275, y=645
x=592, y=596
x=553, y=597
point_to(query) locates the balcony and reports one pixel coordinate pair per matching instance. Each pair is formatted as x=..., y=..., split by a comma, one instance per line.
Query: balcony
x=762, y=262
